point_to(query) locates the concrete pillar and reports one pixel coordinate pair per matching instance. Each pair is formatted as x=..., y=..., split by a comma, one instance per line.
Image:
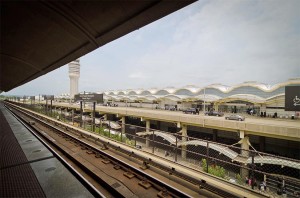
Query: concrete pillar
x=72, y=116
x=66, y=110
x=147, y=130
x=216, y=107
x=93, y=117
x=123, y=124
x=245, y=154
x=81, y=113
x=184, y=139
x=178, y=124
x=51, y=108
x=245, y=146
x=215, y=135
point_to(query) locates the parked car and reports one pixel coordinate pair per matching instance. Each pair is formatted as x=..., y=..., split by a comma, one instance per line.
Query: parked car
x=235, y=117
x=191, y=111
x=214, y=113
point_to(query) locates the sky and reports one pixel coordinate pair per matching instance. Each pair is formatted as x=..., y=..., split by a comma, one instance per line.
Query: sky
x=207, y=42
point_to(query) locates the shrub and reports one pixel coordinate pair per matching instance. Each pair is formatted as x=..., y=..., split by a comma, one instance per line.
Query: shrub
x=218, y=171
x=239, y=179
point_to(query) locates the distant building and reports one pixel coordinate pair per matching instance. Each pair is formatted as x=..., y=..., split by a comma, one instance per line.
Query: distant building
x=74, y=73
x=239, y=98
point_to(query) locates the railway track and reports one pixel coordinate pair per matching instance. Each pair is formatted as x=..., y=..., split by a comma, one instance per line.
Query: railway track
x=125, y=175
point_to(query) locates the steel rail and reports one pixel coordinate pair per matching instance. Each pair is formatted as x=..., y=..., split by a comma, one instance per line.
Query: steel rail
x=203, y=180
x=139, y=173
x=83, y=181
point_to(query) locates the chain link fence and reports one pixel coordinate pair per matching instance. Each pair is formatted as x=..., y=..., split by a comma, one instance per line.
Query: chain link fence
x=271, y=175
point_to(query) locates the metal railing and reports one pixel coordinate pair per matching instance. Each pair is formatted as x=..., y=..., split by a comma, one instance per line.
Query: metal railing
x=269, y=174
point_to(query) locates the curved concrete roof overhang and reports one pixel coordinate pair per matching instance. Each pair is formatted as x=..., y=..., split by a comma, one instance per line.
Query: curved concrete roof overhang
x=170, y=90
x=133, y=98
x=173, y=97
x=265, y=87
x=220, y=87
x=243, y=97
x=189, y=99
x=208, y=97
x=279, y=97
x=131, y=93
x=121, y=93
x=274, y=99
x=222, y=149
x=148, y=98
x=145, y=93
x=192, y=91
x=40, y=36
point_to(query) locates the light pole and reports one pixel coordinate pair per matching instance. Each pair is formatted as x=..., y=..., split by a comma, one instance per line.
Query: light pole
x=204, y=107
x=204, y=102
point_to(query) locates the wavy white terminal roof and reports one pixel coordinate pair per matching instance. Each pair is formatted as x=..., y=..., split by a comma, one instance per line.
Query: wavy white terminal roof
x=248, y=91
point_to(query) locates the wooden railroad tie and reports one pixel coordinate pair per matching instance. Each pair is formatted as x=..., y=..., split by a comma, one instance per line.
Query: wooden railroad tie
x=117, y=167
x=145, y=165
x=164, y=193
x=98, y=155
x=90, y=152
x=104, y=147
x=145, y=183
x=106, y=161
x=129, y=174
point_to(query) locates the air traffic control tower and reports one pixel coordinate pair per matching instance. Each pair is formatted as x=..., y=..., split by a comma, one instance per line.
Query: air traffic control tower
x=74, y=73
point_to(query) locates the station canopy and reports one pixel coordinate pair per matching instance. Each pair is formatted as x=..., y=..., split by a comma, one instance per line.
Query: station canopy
x=40, y=36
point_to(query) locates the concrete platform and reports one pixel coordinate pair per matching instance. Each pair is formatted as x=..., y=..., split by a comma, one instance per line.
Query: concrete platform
x=28, y=168
x=281, y=129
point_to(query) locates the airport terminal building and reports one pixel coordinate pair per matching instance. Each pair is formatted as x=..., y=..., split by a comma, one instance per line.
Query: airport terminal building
x=262, y=98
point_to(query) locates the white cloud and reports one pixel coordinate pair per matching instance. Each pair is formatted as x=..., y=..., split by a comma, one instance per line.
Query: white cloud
x=228, y=42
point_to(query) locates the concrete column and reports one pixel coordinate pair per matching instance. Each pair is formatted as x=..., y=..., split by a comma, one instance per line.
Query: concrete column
x=215, y=135
x=245, y=146
x=184, y=139
x=245, y=154
x=72, y=116
x=93, y=116
x=147, y=130
x=66, y=110
x=81, y=113
x=216, y=107
x=51, y=108
x=123, y=124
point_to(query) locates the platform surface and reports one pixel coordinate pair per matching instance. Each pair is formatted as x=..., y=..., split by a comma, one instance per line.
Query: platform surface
x=28, y=168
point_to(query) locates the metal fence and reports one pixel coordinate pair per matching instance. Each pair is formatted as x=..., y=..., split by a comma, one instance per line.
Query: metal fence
x=269, y=174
